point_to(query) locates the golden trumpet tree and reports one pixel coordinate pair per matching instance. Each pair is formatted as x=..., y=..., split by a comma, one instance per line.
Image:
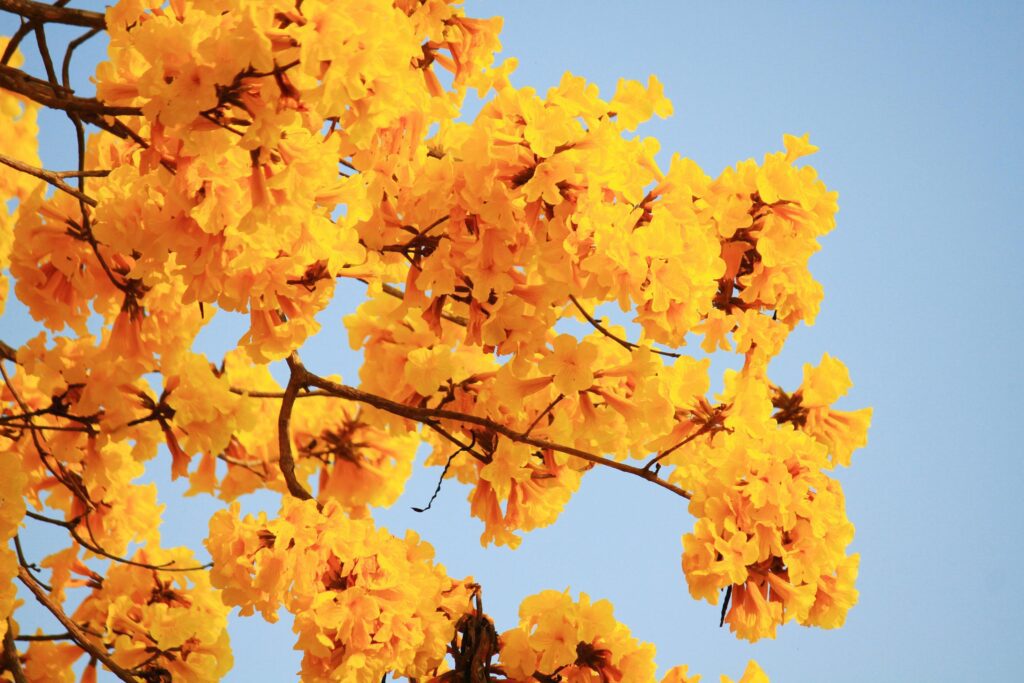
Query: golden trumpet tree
x=244, y=157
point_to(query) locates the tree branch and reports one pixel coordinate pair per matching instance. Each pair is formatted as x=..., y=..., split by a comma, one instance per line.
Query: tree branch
x=8, y=352
x=56, y=97
x=11, y=661
x=43, y=13
x=425, y=415
x=77, y=634
x=297, y=380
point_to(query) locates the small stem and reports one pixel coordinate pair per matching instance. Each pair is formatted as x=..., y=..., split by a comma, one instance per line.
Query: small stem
x=543, y=413
x=705, y=428
x=437, y=490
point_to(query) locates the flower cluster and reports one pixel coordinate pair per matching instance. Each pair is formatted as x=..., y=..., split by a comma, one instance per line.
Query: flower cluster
x=250, y=159
x=771, y=524
x=159, y=625
x=365, y=602
x=578, y=641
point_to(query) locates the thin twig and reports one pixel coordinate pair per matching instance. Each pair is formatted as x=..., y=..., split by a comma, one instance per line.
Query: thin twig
x=23, y=561
x=704, y=429
x=48, y=428
x=44, y=637
x=725, y=606
x=94, y=547
x=97, y=549
x=74, y=629
x=65, y=70
x=49, y=176
x=444, y=472
x=543, y=413
x=618, y=340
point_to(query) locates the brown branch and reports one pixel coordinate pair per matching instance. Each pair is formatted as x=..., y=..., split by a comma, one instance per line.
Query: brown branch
x=628, y=345
x=56, y=97
x=44, y=637
x=77, y=634
x=297, y=380
x=95, y=548
x=7, y=352
x=11, y=660
x=49, y=176
x=43, y=13
x=47, y=428
x=425, y=415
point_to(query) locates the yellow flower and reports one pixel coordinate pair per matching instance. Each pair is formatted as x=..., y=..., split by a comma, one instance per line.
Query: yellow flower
x=570, y=362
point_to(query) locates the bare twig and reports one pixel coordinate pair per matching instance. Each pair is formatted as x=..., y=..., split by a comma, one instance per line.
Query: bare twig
x=618, y=340
x=44, y=637
x=437, y=490
x=77, y=634
x=94, y=547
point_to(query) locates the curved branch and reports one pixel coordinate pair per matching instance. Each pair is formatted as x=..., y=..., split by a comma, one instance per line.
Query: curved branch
x=94, y=547
x=628, y=345
x=43, y=13
x=425, y=415
x=297, y=380
x=77, y=634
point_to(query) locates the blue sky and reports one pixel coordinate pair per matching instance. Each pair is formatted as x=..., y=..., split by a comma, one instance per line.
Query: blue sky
x=917, y=109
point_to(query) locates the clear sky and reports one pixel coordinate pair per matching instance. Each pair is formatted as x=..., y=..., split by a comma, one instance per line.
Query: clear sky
x=917, y=108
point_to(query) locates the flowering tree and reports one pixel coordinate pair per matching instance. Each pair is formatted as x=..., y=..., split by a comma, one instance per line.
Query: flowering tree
x=243, y=157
